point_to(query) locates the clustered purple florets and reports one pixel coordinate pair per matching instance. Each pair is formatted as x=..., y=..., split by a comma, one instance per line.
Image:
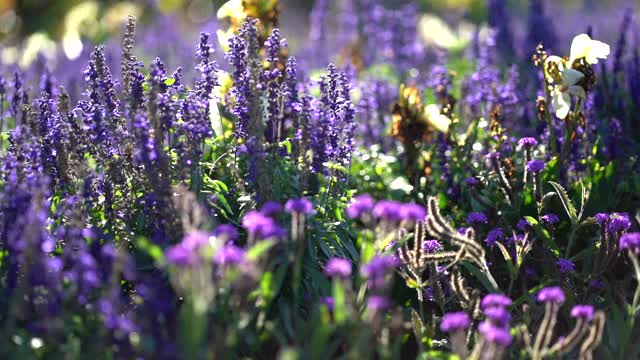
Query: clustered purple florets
x=631, y=242
x=338, y=267
x=535, y=166
x=477, y=218
x=552, y=294
x=455, y=321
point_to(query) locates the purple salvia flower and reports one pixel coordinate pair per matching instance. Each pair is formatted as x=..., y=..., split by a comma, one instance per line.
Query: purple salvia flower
x=631, y=242
x=477, y=218
x=494, y=236
x=498, y=315
x=528, y=142
x=260, y=225
x=362, y=204
x=412, y=212
x=550, y=219
x=583, y=311
x=432, y=246
x=618, y=222
x=495, y=300
x=271, y=209
x=387, y=210
x=565, y=265
x=535, y=165
x=495, y=334
x=227, y=232
x=229, y=254
x=301, y=206
x=601, y=218
x=524, y=225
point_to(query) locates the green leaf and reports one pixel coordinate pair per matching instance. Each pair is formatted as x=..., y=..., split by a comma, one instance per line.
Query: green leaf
x=170, y=81
x=566, y=202
x=151, y=249
x=339, y=310
x=478, y=274
x=259, y=249
x=416, y=321
x=544, y=234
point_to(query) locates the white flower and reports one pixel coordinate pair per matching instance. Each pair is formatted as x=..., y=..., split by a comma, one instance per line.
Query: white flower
x=562, y=92
x=583, y=46
x=436, y=119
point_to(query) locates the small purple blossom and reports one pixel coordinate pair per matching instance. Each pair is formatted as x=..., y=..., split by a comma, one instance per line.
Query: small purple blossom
x=329, y=302
x=387, y=210
x=432, y=246
x=551, y=294
x=338, y=267
x=260, y=225
x=227, y=232
x=583, y=311
x=300, y=206
x=524, y=225
x=494, y=155
x=528, y=142
x=455, y=321
x=494, y=236
x=601, y=218
x=550, y=219
x=477, y=218
x=471, y=181
x=377, y=303
x=631, y=242
x=495, y=300
x=412, y=212
x=271, y=209
x=565, y=265
x=229, y=255
x=495, y=334
x=361, y=204
x=618, y=222
x=498, y=315
x=535, y=165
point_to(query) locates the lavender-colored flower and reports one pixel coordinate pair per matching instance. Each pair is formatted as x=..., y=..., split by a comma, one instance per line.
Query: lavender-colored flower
x=528, y=142
x=494, y=236
x=227, y=232
x=300, y=206
x=565, y=265
x=271, y=209
x=377, y=269
x=455, y=321
x=583, y=311
x=535, y=166
x=495, y=334
x=432, y=246
x=329, y=302
x=338, y=267
x=181, y=256
x=477, y=218
x=412, y=212
x=471, y=181
x=387, y=210
x=631, y=242
x=494, y=155
x=551, y=294
x=495, y=300
x=550, y=219
x=229, y=254
x=196, y=240
x=497, y=315
x=524, y=225
x=601, y=218
x=361, y=205
x=596, y=284
x=377, y=303
x=618, y=222
x=260, y=225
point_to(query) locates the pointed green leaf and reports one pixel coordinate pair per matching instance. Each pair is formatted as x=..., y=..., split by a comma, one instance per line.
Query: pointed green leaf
x=566, y=202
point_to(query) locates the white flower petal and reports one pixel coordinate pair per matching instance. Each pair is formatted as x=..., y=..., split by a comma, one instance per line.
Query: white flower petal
x=583, y=46
x=577, y=91
x=439, y=121
x=598, y=50
x=561, y=103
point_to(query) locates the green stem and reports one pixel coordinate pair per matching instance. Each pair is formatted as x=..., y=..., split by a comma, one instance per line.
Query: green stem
x=552, y=135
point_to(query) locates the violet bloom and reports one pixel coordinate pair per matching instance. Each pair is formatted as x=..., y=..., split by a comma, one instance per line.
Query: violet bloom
x=493, y=156
x=361, y=205
x=583, y=312
x=535, y=166
x=631, y=242
x=412, y=212
x=271, y=209
x=377, y=269
x=471, y=181
x=477, y=218
x=329, y=302
x=565, y=265
x=495, y=334
x=195, y=240
x=497, y=315
x=494, y=236
x=550, y=219
x=300, y=206
x=227, y=232
x=528, y=142
x=601, y=218
x=229, y=255
x=495, y=300
x=378, y=303
x=524, y=225
x=338, y=267
x=618, y=222
x=260, y=225
x=552, y=294
x=179, y=255
x=387, y=210
x=455, y=321
x=432, y=246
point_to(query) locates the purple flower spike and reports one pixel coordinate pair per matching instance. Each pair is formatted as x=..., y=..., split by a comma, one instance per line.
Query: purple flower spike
x=387, y=210
x=432, y=246
x=583, y=311
x=477, y=218
x=528, y=142
x=618, y=222
x=631, y=242
x=300, y=206
x=455, y=321
x=494, y=236
x=550, y=219
x=601, y=218
x=412, y=212
x=566, y=265
x=535, y=166
x=495, y=334
x=361, y=204
x=495, y=300
x=551, y=294
x=338, y=267
x=229, y=255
